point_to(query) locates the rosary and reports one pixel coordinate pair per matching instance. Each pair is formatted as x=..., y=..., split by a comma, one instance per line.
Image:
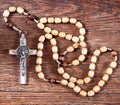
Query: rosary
x=22, y=52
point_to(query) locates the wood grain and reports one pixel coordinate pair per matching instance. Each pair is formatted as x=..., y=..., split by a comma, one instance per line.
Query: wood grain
x=102, y=21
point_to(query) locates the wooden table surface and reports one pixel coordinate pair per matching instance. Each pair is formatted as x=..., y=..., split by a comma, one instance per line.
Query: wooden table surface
x=102, y=21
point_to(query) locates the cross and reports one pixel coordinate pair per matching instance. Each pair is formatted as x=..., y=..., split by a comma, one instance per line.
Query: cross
x=23, y=52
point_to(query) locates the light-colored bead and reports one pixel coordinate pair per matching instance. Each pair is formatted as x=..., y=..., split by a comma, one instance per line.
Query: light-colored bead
x=48, y=36
x=83, y=93
x=82, y=38
x=81, y=58
x=55, y=56
x=82, y=31
x=75, y=62
x=73, y=79
x=38, y=68
x=6, y=13
x=40, y=26
x=47, y=29
x=64, y=82
x=42, y=38
x=39, y=60
x=62, y=34
x=84, y=51
x=76, y=45
x=94, y=59
x=96, y=89
x=105, y=77
x=80, y=81
x=91, y=73
x=39, y=53
x=70, y=49
x=57, y=20
x=79, y=25
x=53, y=41
x=101, y=83
x=50, y=20
x=54, y=49
x=71, y=84
x=54, y=32
x=20, y=10
x=65, y=19
x=83, y=44
x=12, y=9
x=91, y=93
x=109, y=71
x=60, y=70
x=66, y=76
x=41, y=75
x=113, y=64
x=75, y=39
x=43, y=20
x=87, y=79
x=68, y=37
x=92, y=66
x=103, y=49
x=73, y=20
x=40, y=45
x=77, y=89
x=96, y=52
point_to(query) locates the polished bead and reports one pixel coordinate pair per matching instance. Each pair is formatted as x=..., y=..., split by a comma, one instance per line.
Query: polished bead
x=66, y=76
x=73, y=79
x=84, y=51
x=105, y=77
x=76, y=45
x=91, y=73
x=82, y=38
x=83, y=44
x=77, y=89
x=114, y=53
x=12, y=9
x=38, y=68
x=54, y=49
x=62, y=34
x=68, y=37
x=75, y=39
x=64, y=82
x=92, y=66
x=83, y=93
x=82, y=31
x=87, y=79
x=54, y=32
x=43, y=20
x=48, y=36
x=79, y=24
x=80, y=81
x=96, y=52
x=96, y=89
x=81, y=58
x=42, y=38
x=40, y=25
x=75, y=62
x=70, y=49
x=39, y=60
x=103, y=49
x=109, y=71
x=41, y=75
x=60, y=70
x=73, y=20
x=6, y=13
x=101, y=83
x=40, y=45
x=64, y=64
x=113, y=64
x=91, y=93
x=20, y=10
x=71, y=84
x=39, y=53
x=47, y=29
x=57, y=20
x=94, y=59
x=55, y=56
x=50, y=20
x=53, y=41
x=65, y=19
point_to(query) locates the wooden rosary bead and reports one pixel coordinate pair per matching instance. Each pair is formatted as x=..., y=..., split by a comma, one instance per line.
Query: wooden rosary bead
x=80, y=81
x=83, y=44
x=68, y=37
x=77, y=89
x=82, y=38
x=42, y=38
x=40, y=25
x=51, y=80
x=54, y=32
x=91, y=93
x=43, y=20
x=53, y=41
x=96, y=52
x=114, y=53
x=64, y=82
x=81, y=58
x=39, y=53
x=66, y=76
x=60, y=70
x=91, y=73
x=71, y=84
x=41, y=75
x=55, y=56
x=62, y=34
x=50, y=20
x=83, y=93
x=12, y=9
x=79, y=25
x=87, y=79
x=103, y=49
x=84, y=51
x=93, y=59
x=54, y=49
x=75, y=62
x=101, y=83
x=57, y=20
x=65, y=19
x=6, y=13
x=38, y=68
x=105, y=77
x=73, y=79
x=70, y=49
x=73, y=20
x=61, y=58
x=113, y=64
x=64, y=64
x=48, y=36
x=96, y=89
x=75, y=39
x=20, y=10
x=82, y=31
x=92, y=66
x=47, y=29
x=109, y=71
x=40, y=45
x=39, y=60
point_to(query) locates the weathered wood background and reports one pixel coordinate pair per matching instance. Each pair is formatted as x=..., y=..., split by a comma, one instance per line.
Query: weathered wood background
x=102, y=21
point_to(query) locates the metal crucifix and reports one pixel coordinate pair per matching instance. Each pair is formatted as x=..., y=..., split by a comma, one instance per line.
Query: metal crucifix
x=23, y=52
